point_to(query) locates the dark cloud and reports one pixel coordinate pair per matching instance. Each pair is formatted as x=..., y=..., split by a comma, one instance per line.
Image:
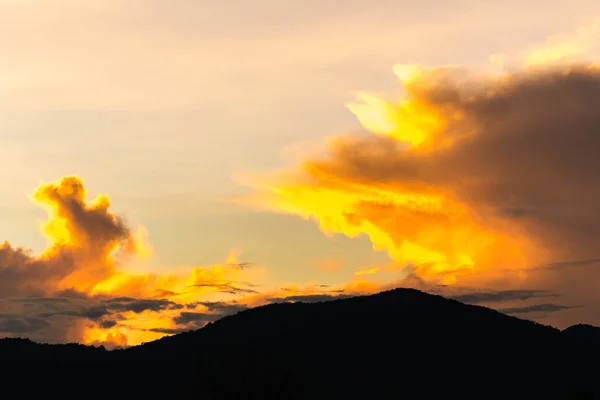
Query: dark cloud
x=22, y=274
x=185, y=317
x=123, y=304
x=215, y=311
x=229, y=287
x=18, y=324
x=170, y=331
x=536, y=308
x=223, y=307
x=117, y=305
x=71, y=293
x=568, y=264
x=47, y=301
x=75, y=314
x=107, y=324
x=93, y=313
x=500, y=296
x=309, y=298
x=61, y=319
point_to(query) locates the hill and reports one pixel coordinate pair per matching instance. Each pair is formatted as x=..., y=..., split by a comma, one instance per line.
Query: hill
x=396, y=344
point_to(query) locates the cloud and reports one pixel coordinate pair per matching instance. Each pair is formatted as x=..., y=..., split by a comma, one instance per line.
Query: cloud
x=79, y=289
x=112, y=341
x=310, y=298
x=124, y=304
x=568, y=264
x=502, y=295
x=103, y=308
x=85, y=241
x=213, y=310
x=223, y=307
x=186, y=317
x=469, y=180
x=171, y=331
x=107, y=324
x=463, y=176
x=235, y=288
x=536, y=308
x=565, y=49
x=18, y=324
x=479, y=181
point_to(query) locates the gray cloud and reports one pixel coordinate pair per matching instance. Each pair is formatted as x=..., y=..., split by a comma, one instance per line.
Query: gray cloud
x=186, y=317
x=58, y=315
x=107, y=324
x=501, y=295
x=23, y=274
x=95, y=232
x=568, y=264
x=170, y=331
x=18, y=324
x=223, y=307
x=190, y=320
x=229, y=287
x=542, y=308
x=117, y=305
x=309, y=298
x=122, y=304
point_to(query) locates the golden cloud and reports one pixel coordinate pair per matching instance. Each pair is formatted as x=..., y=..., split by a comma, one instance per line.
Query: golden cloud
x=465, y=176
x=81, y=289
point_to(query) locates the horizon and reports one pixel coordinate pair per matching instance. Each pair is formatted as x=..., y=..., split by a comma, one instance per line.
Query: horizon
x=313, y=300
x=166, y=165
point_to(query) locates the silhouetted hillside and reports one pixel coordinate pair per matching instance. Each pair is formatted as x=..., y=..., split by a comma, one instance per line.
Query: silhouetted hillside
x=397, y=344
x=583, y=332
x=26, y=350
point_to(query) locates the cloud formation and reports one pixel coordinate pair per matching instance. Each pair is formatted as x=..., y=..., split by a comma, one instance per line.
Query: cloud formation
x=501, y=296
x=463, y=175
x=79, y=288
x=85, y=240
x=536, y=308
x=480, y=187
x=486, y=182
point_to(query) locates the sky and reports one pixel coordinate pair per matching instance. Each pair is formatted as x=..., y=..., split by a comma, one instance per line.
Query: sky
x=338, y=147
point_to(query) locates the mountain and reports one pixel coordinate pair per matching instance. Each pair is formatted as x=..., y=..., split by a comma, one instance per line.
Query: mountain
x=583, y=332
x=401, y=343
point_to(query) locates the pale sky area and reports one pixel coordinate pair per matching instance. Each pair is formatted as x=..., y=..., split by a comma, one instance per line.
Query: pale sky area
x=163, y=105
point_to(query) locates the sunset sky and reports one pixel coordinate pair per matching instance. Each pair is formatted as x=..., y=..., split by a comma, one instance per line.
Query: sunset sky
x=340, y=147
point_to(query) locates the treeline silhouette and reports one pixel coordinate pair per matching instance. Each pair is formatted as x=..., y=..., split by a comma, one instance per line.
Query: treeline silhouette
x=397, y=344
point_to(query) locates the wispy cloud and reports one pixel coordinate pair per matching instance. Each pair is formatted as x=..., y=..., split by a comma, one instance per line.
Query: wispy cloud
x=502, y=296
x=536, y=308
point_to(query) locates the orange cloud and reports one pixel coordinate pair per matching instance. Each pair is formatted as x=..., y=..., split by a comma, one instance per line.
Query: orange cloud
x=85, y=270
x=465, y=177
x=465, y=181
x=81, y=289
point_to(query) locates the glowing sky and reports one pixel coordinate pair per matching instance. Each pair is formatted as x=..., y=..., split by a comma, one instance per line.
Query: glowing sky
x=340, y=147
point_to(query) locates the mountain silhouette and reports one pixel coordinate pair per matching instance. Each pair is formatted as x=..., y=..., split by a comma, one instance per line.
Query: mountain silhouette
x=402, y=343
